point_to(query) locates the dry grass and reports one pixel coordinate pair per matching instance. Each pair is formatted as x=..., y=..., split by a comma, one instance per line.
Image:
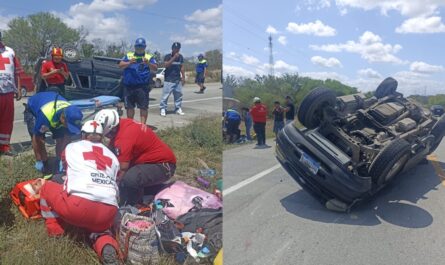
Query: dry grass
x=26, y=242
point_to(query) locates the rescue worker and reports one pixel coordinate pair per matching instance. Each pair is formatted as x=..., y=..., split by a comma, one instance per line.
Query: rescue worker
x=145, y=160
x=89, y=196
x=259, y=116
x=233, y=120
x=48, y=111
x=201, y=72
x=137, y=66
x=10, y=84
x=55, y=72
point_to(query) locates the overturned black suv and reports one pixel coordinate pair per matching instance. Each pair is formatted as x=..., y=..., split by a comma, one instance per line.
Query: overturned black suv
x=353, y=146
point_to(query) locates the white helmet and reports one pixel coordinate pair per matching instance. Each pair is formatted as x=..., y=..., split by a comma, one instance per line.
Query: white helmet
x=108, y=118
x=92, y=127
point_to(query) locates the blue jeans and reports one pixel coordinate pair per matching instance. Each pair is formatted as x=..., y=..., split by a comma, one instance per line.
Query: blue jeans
x=176, y=89
x=248, y=127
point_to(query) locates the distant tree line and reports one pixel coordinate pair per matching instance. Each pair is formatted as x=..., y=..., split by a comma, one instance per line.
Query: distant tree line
x=32, y=36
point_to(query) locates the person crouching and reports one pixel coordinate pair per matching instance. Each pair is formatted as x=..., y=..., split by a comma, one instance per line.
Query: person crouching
x=89, y=196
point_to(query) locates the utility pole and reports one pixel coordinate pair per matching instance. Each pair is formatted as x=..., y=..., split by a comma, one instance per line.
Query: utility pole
x=271, y=63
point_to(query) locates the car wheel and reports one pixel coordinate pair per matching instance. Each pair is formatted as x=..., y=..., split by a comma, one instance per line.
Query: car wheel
x=158, y=83
x=70, y=54
x=439, y=132
x=386, y=88
x=390, y=161
x=310, y=111
x=24, y=91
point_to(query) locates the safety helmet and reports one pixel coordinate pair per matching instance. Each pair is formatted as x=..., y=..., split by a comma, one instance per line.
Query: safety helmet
x=92, y=127
x=140, y=42
x=256, y=100
x=57, y=52
x=108, y=118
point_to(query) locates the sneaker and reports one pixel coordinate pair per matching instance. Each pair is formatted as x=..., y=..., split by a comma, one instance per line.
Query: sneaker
x=179, y=112
x=163, y=113
x=109, y=255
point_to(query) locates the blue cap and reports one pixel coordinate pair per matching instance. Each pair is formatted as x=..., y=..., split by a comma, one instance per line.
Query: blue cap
x=176, y=45
x=200, y=55
x=140, y=42
x=73, y=117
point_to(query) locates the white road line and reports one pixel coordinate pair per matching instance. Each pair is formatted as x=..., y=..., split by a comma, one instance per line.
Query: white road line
x=250, y=180
x=157, y=105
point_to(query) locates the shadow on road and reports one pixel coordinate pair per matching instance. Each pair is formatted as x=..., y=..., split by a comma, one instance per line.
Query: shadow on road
x=394, y=204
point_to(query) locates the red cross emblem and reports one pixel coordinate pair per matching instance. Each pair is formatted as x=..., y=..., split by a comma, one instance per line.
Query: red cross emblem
x=98, y=156
x=3, y=62
x=95, y=124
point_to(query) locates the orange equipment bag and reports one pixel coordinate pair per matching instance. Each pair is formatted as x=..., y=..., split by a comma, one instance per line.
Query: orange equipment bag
x=28, y=203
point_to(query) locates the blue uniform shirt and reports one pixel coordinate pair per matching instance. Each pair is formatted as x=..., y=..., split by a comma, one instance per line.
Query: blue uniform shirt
x=35, y=103
x=233, y=115
x=201, y=66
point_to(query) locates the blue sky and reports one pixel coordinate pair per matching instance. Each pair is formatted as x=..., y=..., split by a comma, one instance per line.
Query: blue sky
x=359, y=42
x=195, y=23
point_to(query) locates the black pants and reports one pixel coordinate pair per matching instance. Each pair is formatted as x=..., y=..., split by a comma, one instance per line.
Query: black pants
x=233, y=130
x=260, y=130
x=138, y=177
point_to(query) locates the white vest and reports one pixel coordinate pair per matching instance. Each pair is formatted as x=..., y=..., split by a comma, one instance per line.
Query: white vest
x=7, y=71
x=91, y=172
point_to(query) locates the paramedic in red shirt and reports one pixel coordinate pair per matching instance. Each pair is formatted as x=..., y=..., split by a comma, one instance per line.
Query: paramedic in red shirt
x=55, y=72
x=88, y=197
x=144, y=159
x=259, y=115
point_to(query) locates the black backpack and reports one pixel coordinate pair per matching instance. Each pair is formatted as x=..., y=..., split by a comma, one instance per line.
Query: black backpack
x=209, y=220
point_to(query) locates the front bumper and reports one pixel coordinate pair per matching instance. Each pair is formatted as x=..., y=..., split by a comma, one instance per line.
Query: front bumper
x=332, y=181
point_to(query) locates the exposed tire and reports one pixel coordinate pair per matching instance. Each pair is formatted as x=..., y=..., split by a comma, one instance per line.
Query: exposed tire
x=158, y=83
x=390, y=161
x=70, y=54
x=310, y=112
x=439, y=132
x=24, y=91
x=386, y=88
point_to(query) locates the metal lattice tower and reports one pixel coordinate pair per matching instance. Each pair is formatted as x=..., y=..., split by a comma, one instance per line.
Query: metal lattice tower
x=271, y=63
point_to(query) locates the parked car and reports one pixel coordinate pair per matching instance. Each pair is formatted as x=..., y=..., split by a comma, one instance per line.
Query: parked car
x=159, y=78
x=27, y=84
x=437, y=110
x=88, y=77
x=352, y=146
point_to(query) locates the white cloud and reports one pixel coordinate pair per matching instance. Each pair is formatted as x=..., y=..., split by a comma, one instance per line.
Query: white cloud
x=4, y=20
x=422, y=14
x=95, y=17
x=282, y=40
x=205, y=27
x=250, y=60
x=370, y=47
x=422, y=25
x=326, y=62
x=326, y=75
x=369, y=73
x=237, y=71
x=316, y=28
x=271, y=30
x=424, y=68
x=281, y=67
x=211, y=16
x=410, y=8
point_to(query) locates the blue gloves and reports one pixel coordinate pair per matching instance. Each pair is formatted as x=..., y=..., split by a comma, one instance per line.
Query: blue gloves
x=39, y=165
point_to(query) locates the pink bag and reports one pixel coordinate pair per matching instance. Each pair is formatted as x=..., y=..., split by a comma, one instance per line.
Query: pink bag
x=184, y=197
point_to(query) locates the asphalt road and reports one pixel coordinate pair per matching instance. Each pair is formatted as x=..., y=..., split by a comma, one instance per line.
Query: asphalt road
x=194, y=105
x=269, y=219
